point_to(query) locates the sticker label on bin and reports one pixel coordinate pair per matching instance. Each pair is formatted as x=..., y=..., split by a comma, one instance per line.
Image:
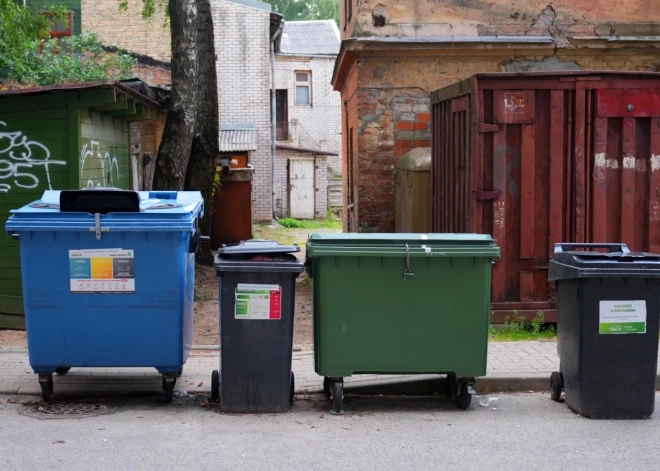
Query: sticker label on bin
x=623, y=317
x=262, y=302
x=102, y=271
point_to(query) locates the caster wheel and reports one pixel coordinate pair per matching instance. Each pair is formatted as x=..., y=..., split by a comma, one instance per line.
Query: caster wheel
x=463, y=398
x=62, y=370
x=450, y=388
x=168, y=388
x=556, y=386
x=179, y=372
x=327, y=388
x=337, y=397
x=293, y=388
x=47, y=388
x=215, y=385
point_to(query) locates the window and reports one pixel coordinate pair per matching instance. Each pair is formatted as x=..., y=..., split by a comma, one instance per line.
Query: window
x=303, y=88
x=63, y=29
x=282, y=114
x=58, y=30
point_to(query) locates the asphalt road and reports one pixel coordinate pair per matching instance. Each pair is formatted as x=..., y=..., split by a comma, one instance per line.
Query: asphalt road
x=515, y=432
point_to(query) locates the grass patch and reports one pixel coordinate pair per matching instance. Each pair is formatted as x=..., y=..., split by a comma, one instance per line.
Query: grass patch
x=332, y=222
x=518, y=329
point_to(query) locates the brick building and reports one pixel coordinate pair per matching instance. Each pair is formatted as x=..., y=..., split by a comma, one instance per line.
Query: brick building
x=308, y=118
x=307, y=127
x=395, y=53
x=244, y=34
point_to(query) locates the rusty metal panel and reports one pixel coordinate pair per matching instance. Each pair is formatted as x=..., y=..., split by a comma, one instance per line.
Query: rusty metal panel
x=621, y=103
x=535, y=159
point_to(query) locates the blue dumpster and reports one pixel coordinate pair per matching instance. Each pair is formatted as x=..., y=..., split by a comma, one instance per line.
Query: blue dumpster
x=108, y=280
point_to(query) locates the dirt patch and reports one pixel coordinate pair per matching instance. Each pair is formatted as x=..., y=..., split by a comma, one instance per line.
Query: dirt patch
x=13, y=338
x=206, y=328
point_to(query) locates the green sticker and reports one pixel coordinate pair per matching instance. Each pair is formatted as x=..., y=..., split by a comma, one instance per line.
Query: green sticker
x=622, y=317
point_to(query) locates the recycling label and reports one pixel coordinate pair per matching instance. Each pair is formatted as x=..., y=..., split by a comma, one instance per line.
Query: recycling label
x=102, y=271
x=622, y=317
x=260, y=302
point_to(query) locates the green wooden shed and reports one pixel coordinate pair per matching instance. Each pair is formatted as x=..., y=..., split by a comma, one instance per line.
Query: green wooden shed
x=60, y=137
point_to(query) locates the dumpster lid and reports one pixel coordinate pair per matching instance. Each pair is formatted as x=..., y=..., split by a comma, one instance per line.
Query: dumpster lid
x=418, y=159
x=618, y=261
x=170, y=211
x=395, y=244
x=257, y=247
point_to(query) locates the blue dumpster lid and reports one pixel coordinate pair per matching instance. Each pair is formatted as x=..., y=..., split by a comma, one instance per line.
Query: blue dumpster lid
x=169, y=211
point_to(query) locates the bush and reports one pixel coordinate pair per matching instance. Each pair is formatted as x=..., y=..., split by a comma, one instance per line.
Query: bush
x=27, y=60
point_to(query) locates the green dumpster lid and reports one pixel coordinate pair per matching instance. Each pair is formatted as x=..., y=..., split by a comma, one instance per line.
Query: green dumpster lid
x=394, y=244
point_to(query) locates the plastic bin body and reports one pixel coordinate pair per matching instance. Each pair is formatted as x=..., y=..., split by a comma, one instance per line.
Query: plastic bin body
x=256, y=352
x=370, y=318
x=150, y=327
x=607, y=372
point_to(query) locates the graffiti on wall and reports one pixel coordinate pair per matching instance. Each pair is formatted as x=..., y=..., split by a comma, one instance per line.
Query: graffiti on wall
x=23, y=161
x=98, y=167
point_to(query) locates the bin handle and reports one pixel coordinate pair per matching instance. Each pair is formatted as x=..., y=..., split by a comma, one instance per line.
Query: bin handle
x=569, y=247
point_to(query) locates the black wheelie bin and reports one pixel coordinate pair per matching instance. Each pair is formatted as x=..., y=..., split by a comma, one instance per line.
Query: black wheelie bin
x=607, y=307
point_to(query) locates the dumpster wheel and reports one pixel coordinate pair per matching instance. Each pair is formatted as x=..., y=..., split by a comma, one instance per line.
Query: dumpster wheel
x=215, y=385
x=337, y=397
x=556, y=385
x=327, y=388
x=463, y=397
x=168, y=387
x=292, y=392
x=62, y=370
x=47, y=387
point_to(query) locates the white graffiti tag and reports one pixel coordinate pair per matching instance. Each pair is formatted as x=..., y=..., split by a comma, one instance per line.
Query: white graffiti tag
x=19, y=158
x=98, y=166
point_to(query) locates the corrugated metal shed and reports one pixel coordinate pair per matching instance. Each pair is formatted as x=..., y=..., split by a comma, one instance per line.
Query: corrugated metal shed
x=310, y=38
x=238, y=137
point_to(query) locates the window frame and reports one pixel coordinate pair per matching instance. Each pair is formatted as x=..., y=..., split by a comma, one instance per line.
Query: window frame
x=308, y=84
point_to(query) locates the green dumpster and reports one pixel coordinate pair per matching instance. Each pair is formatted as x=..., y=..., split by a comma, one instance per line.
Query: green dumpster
x=401, y=304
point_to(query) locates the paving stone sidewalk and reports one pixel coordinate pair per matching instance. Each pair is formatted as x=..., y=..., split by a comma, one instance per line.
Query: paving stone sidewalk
x=527, y=363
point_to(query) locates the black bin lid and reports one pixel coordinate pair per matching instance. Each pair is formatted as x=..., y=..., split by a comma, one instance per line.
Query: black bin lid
x=258, y=256
x=257, y=247
x=572, y=261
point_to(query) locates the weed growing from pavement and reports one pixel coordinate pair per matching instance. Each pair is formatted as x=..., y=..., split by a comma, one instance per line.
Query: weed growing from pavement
x=516, y=329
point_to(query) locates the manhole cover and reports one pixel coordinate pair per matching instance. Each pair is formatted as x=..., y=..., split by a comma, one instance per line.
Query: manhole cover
x=63, y=410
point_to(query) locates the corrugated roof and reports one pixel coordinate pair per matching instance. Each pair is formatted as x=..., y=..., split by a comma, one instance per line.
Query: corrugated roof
x=131, y=87
x=310, y=38
x=238, y=137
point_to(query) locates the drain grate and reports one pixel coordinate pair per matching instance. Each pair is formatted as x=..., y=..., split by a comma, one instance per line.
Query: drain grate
x=63, y=410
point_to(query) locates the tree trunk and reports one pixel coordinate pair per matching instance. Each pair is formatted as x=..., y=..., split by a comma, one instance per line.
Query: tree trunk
x=175, y=147
x=205, y=147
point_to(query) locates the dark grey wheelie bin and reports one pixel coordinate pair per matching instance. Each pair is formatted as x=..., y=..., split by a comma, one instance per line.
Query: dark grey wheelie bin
x=257, y=300
x=607, y=307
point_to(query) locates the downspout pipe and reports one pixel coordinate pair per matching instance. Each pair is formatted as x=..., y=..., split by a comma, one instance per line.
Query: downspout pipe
x=273, y=103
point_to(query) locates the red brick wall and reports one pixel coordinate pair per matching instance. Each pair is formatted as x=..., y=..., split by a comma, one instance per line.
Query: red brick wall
x=391, y=123
x=349, y=120
x=153, y=74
